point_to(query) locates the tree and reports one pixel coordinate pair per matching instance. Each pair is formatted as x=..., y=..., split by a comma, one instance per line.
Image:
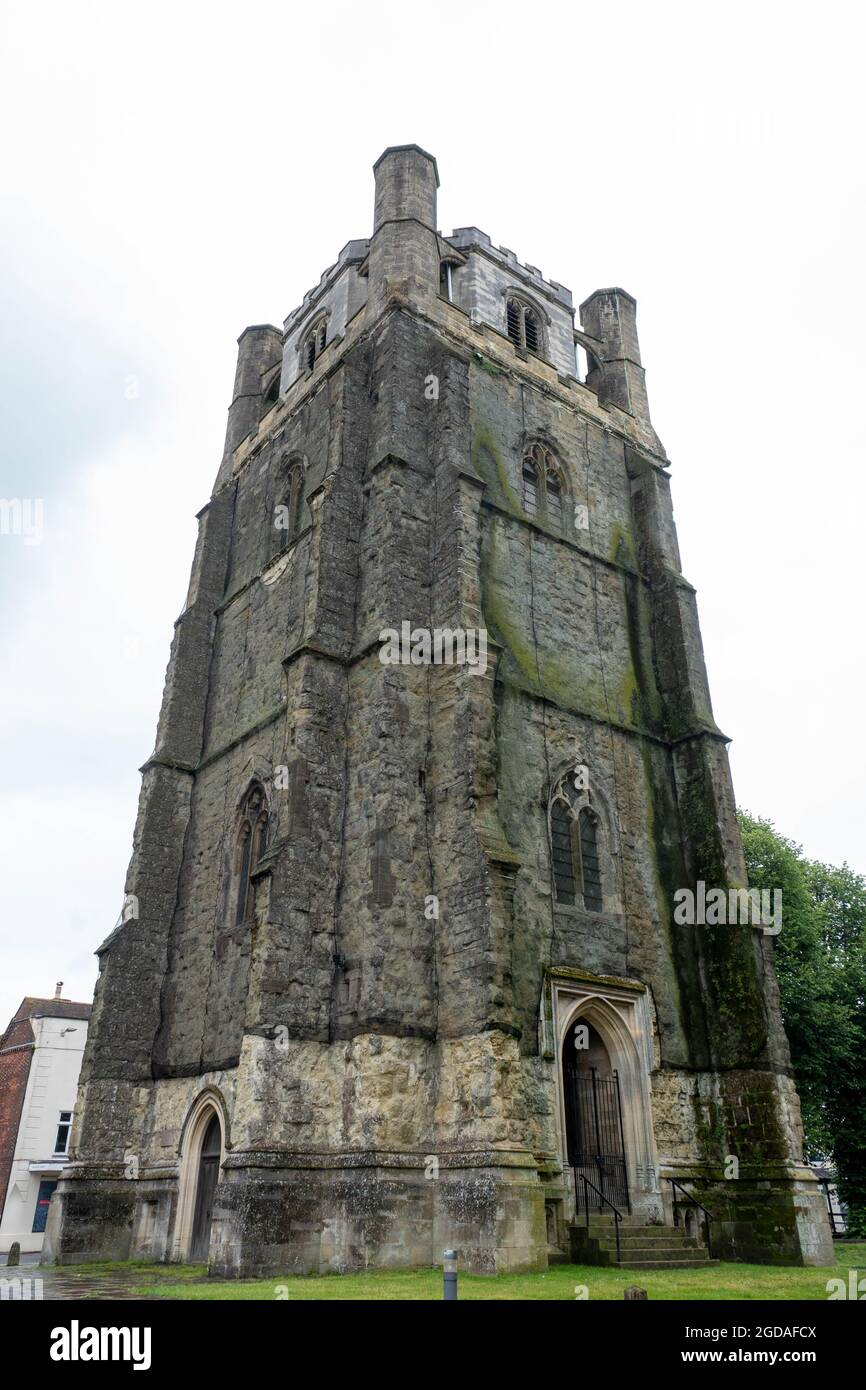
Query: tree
x=820, y=960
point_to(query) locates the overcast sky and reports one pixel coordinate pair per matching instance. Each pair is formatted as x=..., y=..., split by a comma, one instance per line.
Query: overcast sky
x=173, y=172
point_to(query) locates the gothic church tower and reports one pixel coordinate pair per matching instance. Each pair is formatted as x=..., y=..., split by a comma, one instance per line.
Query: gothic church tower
x=399, y=968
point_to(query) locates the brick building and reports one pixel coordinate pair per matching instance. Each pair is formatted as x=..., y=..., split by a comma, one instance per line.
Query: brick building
x=404, y=971
x=40, y=1058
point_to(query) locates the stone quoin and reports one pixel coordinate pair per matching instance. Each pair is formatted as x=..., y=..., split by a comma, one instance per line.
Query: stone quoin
x=291, y=1064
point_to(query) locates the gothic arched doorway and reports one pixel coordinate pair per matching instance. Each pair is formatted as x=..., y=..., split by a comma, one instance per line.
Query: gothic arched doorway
x=594, y=1135
x=208, y=1174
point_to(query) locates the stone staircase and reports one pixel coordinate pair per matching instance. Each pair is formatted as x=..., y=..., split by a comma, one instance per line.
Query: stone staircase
x=642, y=1246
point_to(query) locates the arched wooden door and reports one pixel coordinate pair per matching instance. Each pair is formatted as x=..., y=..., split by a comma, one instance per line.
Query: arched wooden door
x=208, y=1175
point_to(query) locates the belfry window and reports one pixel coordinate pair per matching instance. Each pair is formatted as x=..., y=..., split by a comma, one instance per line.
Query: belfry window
x=523, y=326
x=446, y=287
x=575, y=848
x=314, y=344
x=542, y=486
x=252, y=841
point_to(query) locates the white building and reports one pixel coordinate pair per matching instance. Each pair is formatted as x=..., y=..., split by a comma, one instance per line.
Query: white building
x=40, y=1058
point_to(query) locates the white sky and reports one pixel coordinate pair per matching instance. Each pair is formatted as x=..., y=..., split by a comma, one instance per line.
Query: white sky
x=173, y=172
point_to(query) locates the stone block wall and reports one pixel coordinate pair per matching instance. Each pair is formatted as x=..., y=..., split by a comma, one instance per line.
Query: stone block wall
x=384, y=1004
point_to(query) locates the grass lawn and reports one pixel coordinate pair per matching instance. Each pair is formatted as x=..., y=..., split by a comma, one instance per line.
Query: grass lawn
x=722, y=1281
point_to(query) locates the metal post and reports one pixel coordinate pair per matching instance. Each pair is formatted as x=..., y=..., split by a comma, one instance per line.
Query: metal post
x=598, y=1162
x=449, y=1276
x=622, y=1140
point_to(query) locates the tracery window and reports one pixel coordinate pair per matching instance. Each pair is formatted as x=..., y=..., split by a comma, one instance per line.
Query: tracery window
x=314, y=344
x=251, y=843
x=575, y=846
x=288, y=504
x=523, y=325
x=542, y=485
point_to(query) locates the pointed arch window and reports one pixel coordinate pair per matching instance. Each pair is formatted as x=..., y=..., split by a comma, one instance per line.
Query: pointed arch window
x=542, y=486
x=314, y=344
x=288, y=504
x=252, y=841
x=575, y=847
x=523, y=325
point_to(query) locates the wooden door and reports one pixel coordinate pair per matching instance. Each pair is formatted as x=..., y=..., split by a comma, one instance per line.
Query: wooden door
x=208, y=1175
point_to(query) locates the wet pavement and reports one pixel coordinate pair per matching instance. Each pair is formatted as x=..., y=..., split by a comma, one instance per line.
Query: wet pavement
x=60, y=1285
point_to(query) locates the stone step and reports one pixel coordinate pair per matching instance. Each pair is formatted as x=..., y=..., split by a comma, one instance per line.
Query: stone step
x=638, y=1244
x=666, y=1234
x=641, y=1246
x=651, y=1265
x=608, y=1219
x=660, y=1252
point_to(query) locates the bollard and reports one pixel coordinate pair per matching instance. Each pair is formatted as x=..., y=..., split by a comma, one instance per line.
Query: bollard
x=634, y=1292
x=449, y=1275
x=14, y=1256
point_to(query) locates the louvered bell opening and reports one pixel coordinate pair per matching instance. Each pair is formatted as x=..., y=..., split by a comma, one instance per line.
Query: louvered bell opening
x=563, y=860
x=311, y=351
x=588, y=829
x=513, y=316
x=530, y=328
x=320, y=340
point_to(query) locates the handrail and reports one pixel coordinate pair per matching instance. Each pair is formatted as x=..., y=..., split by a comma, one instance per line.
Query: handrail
x=693, y=1201
x=608, y=1203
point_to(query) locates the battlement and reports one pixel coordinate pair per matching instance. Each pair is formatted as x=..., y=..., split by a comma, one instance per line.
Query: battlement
x=408, y=259
x=473, y=239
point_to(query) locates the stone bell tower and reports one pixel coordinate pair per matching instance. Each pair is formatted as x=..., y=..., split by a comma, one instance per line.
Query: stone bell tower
x=398, y=967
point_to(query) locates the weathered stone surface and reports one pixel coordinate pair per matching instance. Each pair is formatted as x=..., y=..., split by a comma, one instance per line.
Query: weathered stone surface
x=381, y=1033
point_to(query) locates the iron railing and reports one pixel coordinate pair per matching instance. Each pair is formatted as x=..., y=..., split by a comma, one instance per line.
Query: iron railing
x=617, y=1214
x=690, y=1202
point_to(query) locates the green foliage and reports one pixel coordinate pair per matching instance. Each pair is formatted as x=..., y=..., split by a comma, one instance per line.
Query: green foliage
x=820, y=959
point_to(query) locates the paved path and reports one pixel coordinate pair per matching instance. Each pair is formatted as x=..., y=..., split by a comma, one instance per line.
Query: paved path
x=59, y=1284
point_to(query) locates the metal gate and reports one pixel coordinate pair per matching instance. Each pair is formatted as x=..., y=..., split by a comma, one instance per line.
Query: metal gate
x=596, y=1146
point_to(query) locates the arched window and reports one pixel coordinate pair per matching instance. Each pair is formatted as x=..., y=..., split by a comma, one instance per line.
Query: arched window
x=542, y=485
x=252, y=841
x=575, y=832
x=523, y=326
x=287, y=507
x=446, y=283
x=314, y=344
